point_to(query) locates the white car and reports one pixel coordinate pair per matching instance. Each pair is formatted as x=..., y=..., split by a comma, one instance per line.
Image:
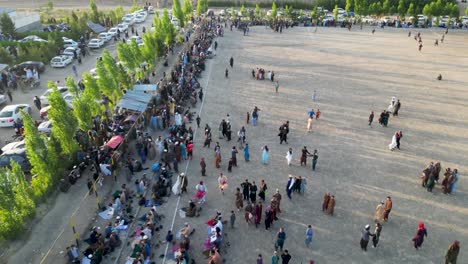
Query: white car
x=69, y=43
x=68, y=97
x=32, y=38
x=71, y=51
x=45, y=127
x=95, y=43
x=150, y=10
x=2, y=99
x=140, y=18
x=222, y=12
x=112, y=32
x=137, y=39
x=10, y=113
x=122, y=27
x=44, y=97
x=61, y=61
x=341, y=11
x=14, y=145
x=128, y=20
x=105, y=36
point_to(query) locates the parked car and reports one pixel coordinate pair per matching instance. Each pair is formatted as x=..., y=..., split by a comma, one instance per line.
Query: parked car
x=2, y=99
x=44, y=97
x=128, y=20
x=222, y=12
x=112, y=32
x=122, y=27
x=69, y=43
x=95, y=43
x=45, y=110
x=61, y=61
x=105, y=36
x=150, y=10
x=14, y=145
x=68, y=97
x=140, y=18
x=10, y=113
x=71, y=51
x=33, y=38
x=137, y=39
x=45, y=127
x=19, y=156
x=19, y=68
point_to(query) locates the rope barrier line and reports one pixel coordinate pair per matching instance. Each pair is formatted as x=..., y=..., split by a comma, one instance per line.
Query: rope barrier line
x=188, y=163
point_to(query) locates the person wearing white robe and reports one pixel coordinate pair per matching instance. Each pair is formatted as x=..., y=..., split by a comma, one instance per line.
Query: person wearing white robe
x=393, y=145
x=289, y=156
x=178, y=119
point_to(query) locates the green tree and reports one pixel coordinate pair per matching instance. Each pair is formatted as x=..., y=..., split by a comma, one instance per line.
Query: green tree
x=412, y=12
x=199, y=7
x=135, y=6
x=112, y=69
x=85, y=108
x=401, y=9
x=16, y=203
x=205, y=5
x=466, y=11
x=37, y=153
x=64, y=122
x=257, y=10
x=242, y=10
x=91, y=86
x=7, y=26
x=386, y=7
x=126, y=57
x=119, y=12
x=349, y=6
x=94, y=11
x=335, y=13
x=187, y=9
x=168, y=28
x=274, y=12
x=178, y=13
x=5, y=57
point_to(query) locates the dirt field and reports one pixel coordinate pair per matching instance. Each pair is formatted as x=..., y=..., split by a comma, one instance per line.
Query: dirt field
x=353, y=73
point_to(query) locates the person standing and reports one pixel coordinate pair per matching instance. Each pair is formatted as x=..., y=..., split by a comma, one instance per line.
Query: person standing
x=376, y=236
x=37, y=102
x=371, y=118
x=258, y=213
x=233, y=219
x=379, y=213
x=398, y=135
x=231, y=62
x=263, y=188
x=452, y=253
x=304, y=155
x=253, y=192
x=289, y=156
x=309, y=235
x=314, y=159
x=234, y=156
x=280, y=238
x=418, y=239
x=239, y=201
x=226, y=73
x=276, y=86
x=203, y=166
x=277, y=197
x=289, y=186
x=453, y=180
x=326, y=199
x=317, y=114
x=247, y=118
x=285, y=257
x=198, y=121
x=275, y=258
x=217, y=154
x=246, y=189
x=265, y=154
x=331, y=205
x=311, y=118
x=365, y=235
x=246, y=153
x=259, y=259
x=222, y=182
x=255, y=115
x=388, y=208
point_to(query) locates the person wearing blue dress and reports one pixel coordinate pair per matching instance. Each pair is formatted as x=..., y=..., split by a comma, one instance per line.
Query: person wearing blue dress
x=246, y=152
x=265, y=155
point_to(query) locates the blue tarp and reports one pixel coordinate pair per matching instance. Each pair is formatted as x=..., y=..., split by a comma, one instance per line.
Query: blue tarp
x=145, y=88
x=96, y=28
x=135, y=101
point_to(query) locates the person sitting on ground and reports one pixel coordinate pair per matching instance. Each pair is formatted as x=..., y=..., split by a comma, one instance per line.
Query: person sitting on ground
x=439, y=77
